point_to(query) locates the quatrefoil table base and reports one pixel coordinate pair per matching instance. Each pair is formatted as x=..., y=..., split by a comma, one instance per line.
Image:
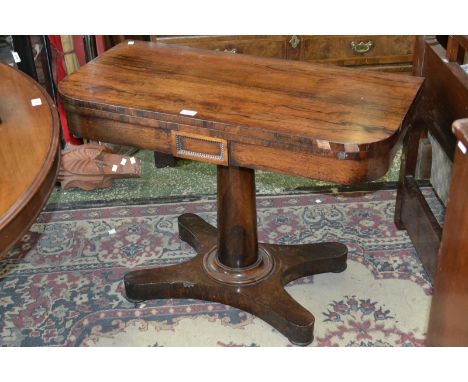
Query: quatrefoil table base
x=256, y=282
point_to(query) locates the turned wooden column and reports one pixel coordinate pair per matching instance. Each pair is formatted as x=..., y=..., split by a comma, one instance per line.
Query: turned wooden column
x=237, y=259
x=237, y=217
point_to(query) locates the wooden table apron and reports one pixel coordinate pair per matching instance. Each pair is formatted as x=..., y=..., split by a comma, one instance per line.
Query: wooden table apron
x=336, y=124
x=29, y=153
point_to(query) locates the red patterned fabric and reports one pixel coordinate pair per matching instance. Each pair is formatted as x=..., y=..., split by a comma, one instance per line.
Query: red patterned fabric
x=56, y=43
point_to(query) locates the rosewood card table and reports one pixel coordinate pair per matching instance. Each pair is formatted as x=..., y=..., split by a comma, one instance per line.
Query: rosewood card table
x=242, y=113
x=29, y=152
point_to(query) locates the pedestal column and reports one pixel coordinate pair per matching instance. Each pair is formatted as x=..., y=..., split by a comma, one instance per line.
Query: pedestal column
x=237, y=217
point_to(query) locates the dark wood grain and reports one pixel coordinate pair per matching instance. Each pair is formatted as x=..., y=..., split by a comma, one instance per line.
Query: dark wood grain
x=456, y=47
x=444, y=95
x=443, y=99
x=408, y=164
x=237, y=217
x=421, y=225
x=388, y=53
x=449, y=309
x=338, y=50
x=29, y=153
x=285, y=116
x=261, y=46
x=462, y=41
x=345, y=114
x=231, y=267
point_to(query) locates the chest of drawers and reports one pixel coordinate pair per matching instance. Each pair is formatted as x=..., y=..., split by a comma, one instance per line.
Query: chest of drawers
x=376, y=52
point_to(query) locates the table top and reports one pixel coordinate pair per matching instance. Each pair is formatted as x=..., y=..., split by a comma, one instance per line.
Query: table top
x=29, y=149
x=316, y=108
x=322, y=102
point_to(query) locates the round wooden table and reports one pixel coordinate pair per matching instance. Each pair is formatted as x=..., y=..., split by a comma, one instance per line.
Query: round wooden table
x=29, y=153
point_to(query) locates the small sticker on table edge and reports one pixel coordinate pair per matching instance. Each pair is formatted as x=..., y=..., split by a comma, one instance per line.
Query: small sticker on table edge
x=324, y=145
x=190, y=113
x=462, y=147
x=36, y=102
x=131, y=42
x=123, y=161
x=16, y=56
x=132, y=160
x=114, y=168
x=351, y=148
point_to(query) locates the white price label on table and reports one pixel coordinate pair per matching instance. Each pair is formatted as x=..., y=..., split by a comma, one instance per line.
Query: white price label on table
x=190, y=113
x=16, y=57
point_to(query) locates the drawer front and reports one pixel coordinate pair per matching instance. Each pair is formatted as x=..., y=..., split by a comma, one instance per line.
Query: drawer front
x=199, y=147
x=357, y=50
x=261, y=46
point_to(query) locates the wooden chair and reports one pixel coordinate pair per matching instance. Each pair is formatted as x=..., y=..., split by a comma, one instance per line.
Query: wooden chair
x=449, y=309
x=444, y=99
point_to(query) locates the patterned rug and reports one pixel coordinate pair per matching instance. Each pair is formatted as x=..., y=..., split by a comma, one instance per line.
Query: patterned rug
x=61, y=285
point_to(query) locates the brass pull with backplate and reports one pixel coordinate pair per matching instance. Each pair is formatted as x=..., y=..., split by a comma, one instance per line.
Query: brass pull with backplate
x=294, y=41
x=361, y=47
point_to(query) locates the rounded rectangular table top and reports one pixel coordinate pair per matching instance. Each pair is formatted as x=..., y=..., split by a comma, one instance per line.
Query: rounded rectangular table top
x=286, y=100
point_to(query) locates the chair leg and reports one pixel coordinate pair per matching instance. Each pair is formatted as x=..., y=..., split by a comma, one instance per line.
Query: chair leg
x=409, y=159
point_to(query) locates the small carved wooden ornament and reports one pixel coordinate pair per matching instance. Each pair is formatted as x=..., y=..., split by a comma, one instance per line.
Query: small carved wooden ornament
x=93, y=166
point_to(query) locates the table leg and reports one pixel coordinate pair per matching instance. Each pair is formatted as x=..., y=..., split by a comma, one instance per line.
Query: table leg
x=231, y=267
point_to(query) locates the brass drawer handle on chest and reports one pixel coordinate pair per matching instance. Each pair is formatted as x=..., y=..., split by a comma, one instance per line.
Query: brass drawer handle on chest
x=294, y=41
x=199, y=147
x=361, y=47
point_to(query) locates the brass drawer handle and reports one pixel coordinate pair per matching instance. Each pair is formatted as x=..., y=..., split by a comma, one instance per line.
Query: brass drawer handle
x=361, y=47
x=294, y=41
